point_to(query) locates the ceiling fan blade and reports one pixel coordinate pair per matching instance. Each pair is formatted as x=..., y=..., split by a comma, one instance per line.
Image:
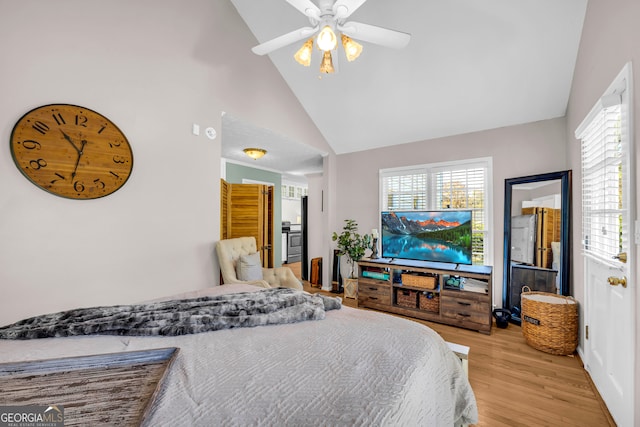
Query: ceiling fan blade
x=283, y=40
x=374, y=34
x=306, y=7
x=343, y=8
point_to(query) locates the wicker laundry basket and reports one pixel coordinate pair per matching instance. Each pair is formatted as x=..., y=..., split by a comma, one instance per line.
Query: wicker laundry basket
x=550, y=322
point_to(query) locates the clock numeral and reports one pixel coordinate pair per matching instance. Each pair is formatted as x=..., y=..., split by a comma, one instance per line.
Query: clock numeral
x=115, y=144
x=114, y=174
x=119, y=159
x=43, y=128
x=59, y=119
x=53, y=181
x=101, y=129
x=30, y=144
x=78, y=186
x=38, y=164
x=98, y=182
x=81, y=120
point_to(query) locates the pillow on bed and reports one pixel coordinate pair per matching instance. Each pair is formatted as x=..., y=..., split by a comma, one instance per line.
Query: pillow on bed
x=249, y=267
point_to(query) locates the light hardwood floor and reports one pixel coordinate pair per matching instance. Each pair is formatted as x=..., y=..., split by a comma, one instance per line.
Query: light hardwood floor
x=516, y=385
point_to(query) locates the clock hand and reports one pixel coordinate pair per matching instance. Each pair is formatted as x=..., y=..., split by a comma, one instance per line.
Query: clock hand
x=73, y=174
x=68, y=138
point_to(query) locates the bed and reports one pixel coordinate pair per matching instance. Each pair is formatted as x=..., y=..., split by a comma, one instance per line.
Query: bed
x=352, y=367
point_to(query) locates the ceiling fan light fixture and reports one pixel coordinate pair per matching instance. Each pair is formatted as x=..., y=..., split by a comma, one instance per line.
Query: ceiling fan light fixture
x=327, y=64
x=303, y=55
x=352, y=49
x=327, y=39
x=255, y=153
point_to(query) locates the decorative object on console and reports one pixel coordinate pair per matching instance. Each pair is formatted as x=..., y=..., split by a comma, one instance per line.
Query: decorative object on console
x=353, y=245
x=374, y=244
x=71, y=151
x=255, y=153
x=328, y=17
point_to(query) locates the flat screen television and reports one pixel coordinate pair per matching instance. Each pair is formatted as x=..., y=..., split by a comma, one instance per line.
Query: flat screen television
x=438, y=236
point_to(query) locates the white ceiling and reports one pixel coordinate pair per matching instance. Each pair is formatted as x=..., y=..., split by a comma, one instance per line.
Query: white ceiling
x=285, y=155
x=471, y=65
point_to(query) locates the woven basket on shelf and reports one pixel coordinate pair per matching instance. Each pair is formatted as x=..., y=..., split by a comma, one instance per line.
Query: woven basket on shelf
x=429, y=301
x=550, y=322
x=407, y=298
x=419, y=281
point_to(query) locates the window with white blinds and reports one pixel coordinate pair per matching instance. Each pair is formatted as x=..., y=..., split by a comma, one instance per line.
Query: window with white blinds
x=602, y=178
x=452, y=185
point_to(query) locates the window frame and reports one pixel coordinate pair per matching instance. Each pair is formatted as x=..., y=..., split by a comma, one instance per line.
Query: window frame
x=620, y=93
x=429, y=169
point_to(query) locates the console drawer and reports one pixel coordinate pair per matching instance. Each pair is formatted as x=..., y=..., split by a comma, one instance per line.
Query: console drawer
x=375, y=291
x=472, y=308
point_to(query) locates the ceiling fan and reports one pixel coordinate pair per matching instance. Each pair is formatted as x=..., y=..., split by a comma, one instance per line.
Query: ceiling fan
x=327, y=18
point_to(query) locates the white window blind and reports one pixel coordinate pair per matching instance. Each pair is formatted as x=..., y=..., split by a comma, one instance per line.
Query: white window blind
x=455, y=185
x=602, y=177
x=463, y=188
x=406, y=190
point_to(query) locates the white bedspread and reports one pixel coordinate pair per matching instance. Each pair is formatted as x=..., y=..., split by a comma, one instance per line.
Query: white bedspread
x=355, y=367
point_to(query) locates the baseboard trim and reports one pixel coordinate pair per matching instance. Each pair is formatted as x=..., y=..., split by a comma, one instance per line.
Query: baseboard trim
x=603, y=405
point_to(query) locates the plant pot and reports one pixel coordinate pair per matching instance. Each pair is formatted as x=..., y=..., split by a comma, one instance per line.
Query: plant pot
x=351, y=288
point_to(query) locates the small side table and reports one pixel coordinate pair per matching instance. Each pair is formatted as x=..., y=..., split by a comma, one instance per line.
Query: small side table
x=351, y=288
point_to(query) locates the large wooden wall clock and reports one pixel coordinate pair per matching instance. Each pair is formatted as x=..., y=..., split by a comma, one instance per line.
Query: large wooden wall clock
x=71, y=151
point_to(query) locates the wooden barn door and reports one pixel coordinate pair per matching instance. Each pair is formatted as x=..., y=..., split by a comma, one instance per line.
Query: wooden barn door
x=247, y=210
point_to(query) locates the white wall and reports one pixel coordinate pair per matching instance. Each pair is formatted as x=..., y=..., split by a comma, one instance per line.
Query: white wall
x=521, y=150
x=610, y=39
x=153, y=67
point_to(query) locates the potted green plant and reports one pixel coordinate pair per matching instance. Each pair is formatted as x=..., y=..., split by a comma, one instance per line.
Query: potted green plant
x=353, y=245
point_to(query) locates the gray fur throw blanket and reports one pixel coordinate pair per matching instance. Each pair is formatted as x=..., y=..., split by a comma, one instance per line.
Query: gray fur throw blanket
x=178, y=317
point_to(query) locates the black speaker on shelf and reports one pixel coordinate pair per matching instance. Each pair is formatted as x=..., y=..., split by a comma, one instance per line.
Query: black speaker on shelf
x=336, y=278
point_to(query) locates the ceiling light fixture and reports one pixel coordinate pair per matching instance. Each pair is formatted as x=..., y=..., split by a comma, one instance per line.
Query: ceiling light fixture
x=352, y=49
x=326, y=42
x=329, y=19
x=255, y=153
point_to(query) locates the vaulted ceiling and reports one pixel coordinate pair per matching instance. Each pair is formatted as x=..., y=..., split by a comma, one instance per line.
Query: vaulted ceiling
x=471, y=65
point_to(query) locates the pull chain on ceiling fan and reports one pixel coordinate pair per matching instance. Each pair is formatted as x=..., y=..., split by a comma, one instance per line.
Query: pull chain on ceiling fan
x=327, y=18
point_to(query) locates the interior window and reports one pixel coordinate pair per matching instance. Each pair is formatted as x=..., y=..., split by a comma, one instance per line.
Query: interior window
x=439, y=186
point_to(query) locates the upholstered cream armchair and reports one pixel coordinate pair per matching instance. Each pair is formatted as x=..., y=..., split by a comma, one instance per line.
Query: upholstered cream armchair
x=240, y=263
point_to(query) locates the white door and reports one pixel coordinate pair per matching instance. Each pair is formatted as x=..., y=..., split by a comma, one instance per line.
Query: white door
x=608, y=201
x=609, y=345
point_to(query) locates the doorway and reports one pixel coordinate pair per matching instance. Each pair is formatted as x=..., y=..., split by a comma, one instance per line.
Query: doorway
x=608, y=206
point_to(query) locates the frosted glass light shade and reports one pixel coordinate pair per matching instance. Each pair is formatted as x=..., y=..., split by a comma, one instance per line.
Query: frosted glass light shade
x=303, y=55
x=327, y=39
x=255, y=153
x=327, y=64
x=352, y=49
